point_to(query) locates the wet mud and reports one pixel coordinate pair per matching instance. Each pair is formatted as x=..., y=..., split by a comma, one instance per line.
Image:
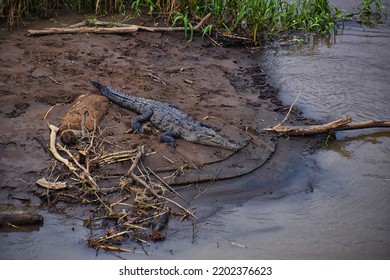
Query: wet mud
x=40, y=77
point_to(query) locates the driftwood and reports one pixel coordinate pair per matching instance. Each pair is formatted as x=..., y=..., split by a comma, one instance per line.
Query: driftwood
x=344, y=123
x=82, y=117
x=53, y=148
x=51, y=185
x=13, y=216
x=94, y=26
x=99, y=30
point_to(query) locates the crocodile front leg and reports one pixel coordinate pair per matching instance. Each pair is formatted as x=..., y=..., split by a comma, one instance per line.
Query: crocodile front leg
x=169, y=138
x=136, y=122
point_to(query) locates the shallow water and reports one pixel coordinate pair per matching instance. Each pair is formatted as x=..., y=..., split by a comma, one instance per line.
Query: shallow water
x=347, y=215
x=333, y=204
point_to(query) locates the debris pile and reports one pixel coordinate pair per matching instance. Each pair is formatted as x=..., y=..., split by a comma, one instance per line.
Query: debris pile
x=136, y=204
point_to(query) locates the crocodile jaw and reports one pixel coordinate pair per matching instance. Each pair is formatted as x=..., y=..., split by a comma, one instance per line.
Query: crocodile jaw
x=213, y=139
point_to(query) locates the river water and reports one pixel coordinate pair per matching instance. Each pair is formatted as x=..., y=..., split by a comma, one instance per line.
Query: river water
x=347, y=215
x=346, y=212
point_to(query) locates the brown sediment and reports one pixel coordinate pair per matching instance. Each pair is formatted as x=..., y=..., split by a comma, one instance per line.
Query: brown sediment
x=42, y=76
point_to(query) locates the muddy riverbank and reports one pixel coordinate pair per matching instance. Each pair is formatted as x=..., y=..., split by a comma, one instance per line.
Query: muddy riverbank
x=223, y=86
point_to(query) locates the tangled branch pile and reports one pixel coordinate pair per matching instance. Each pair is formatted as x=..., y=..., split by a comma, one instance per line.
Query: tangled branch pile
x=132, y=206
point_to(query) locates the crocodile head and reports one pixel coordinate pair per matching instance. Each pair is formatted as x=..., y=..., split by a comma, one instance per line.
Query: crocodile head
x=210, y=138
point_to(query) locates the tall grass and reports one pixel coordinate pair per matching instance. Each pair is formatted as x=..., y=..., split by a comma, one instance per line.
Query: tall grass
x=15, y=10
x=246, y=17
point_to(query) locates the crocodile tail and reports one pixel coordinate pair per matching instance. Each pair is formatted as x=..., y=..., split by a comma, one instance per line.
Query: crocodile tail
x=99, y=86
x=104, y=90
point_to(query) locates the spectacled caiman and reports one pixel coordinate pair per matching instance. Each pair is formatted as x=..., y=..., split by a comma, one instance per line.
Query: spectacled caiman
x=167, y=117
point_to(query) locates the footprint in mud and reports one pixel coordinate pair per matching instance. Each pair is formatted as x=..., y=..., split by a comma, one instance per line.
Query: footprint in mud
x=19, y=109
x=53, y=43
x=60, y=97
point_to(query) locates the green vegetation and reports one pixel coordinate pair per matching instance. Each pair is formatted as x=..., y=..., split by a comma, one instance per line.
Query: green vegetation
x=370, y=11
x=247, y=18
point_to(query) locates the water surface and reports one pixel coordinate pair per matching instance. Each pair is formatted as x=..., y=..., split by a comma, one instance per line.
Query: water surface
x=347, y=215
x=345, y=211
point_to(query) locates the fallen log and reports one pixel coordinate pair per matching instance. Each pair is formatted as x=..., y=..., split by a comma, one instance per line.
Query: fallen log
x=98, y=30
x=344, y=123
x=82, y=117
x=15, y=216
x=94, y=26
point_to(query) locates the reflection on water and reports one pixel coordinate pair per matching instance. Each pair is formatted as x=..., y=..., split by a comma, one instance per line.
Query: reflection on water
x=57, y=239
x=341, y=146
x=350, y=78
x=348, y=214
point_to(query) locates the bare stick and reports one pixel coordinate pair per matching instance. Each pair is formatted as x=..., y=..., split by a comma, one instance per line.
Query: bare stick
x=52, y=148
x=95, y=22
x=165, y=184
x=289, y=110
x=113, y=248
x=70, y=166
x=78, y=30
x=48, y=111
x=86, y=173
x=149, y=188
x=168, y=159
x=51, y=185
x=54, y=81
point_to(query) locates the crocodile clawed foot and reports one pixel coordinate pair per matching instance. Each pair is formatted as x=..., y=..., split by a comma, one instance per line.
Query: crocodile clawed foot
x=168, y=138
x=171, y=144
x=136, y=126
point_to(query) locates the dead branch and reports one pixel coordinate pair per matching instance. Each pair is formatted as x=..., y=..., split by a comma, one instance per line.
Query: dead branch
x=78, y=30
x=92, y=23
x=116, y=157
x=291, y=106
x=122, y=204
x=171, y=29
x=118, y=28
x=52, y=185
x=113, y=248
x=344, y=123
x=365, y=124
x=88, y=176
x=148, y=187
x=53, y=149
x=165, y=184
x=71, y=167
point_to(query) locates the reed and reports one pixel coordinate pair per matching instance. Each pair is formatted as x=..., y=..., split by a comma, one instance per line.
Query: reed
x=15, y=10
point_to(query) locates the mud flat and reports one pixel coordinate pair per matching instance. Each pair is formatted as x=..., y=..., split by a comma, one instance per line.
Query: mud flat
x=40, y=77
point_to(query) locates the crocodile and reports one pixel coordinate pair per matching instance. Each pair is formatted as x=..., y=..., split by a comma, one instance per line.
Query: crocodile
x=167, y=117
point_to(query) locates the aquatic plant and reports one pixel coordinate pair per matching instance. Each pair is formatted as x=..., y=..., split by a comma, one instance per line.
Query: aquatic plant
x=371, y=11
